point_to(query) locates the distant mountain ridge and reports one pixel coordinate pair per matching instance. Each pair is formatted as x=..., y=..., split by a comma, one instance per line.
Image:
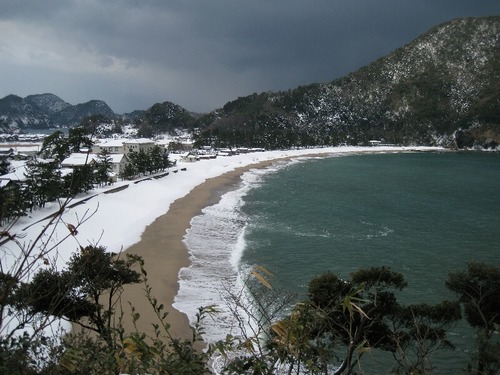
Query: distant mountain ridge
x=443, y=89
x=44, y=111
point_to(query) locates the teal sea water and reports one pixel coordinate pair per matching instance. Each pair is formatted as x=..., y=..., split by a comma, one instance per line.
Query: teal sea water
x=422, y=214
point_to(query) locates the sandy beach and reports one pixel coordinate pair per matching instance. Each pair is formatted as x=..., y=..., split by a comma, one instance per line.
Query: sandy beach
x=164, y=252
x=155, y=216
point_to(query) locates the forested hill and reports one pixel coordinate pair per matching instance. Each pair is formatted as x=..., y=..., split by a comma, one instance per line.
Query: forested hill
x=43, y=111
x=443, y=88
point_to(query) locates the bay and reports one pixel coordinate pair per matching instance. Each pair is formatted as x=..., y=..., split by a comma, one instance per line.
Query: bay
x=421, y=214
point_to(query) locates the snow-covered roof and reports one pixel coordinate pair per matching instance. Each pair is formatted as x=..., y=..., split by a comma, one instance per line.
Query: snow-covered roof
x=79, y=159
x=138, y=141
x=17, y=175
x=4, y=183
x=116, y=158
x=111, y=143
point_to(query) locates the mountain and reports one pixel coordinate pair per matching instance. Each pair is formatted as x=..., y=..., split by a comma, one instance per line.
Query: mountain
x=73, y=115
x=46, y=111
x=165, y=117
x=443, y=88
x=48, y=103
x=49, y=111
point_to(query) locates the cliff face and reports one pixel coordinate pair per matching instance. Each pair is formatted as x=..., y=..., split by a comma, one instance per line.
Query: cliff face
x=441, y=89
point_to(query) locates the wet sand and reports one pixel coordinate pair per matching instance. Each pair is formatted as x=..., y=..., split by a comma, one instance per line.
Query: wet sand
x=165, y=253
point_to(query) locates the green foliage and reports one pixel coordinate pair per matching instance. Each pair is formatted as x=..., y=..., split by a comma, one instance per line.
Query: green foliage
x=165, y=118
x=327, y=290
x=143, y=162
x=478, y=289
x=80, y=180
x=419, y=330
x=85, y=293
x=55, y=145
x=103, y=168
x=4, y=165
x=136, y=352
x=59, y=146
x=352, y=317
x=79, y=138
x=128, y=172
x=43, y=183
x=25, y=355
x=13, y=203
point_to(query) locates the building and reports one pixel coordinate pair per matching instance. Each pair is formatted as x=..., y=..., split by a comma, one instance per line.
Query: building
x=112, y=146
x=79, y=159
x=137, y=145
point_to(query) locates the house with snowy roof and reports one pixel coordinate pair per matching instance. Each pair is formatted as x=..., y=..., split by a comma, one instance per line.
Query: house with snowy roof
x=118, y=164
x=18, y=175
x=137, y=145
x=11, y=182
x=79, y=159
x=111, y=146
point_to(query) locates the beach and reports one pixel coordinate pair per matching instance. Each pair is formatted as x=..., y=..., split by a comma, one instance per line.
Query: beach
x=150, y=218
x=164, y=252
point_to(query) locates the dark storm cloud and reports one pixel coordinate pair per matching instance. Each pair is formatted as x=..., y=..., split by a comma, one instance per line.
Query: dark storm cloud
x=200, y=54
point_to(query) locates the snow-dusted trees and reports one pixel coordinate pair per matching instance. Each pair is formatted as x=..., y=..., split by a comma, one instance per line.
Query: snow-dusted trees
x=151, y=161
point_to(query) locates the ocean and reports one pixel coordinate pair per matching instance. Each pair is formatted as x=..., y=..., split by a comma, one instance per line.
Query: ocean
x=421, y=214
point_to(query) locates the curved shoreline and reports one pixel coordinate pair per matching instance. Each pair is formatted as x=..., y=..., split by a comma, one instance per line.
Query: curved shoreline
x=165, y=254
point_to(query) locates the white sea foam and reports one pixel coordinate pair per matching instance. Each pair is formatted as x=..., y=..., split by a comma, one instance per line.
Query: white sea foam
x=216, y=243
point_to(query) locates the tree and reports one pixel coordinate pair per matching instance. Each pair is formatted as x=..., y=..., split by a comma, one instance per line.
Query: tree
x=80, y=180
x=12, y=203
x=140, y=161
x=20, y=260
x=78, y=138
x=103, y=168
x=55, y=146
x=357, y=311
x=478, y=289
x=128, y=172
x=98, y=125
x=343, y=319
x=43, y=182
x=85, y=293
x=158, y=159
x=419, y=330
x=4, y=166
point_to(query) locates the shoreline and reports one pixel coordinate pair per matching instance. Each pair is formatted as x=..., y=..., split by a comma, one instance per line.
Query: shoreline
x=165, y=254
x=161, y=243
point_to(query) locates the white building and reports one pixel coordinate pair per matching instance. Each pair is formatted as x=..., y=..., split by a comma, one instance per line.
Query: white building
x=136, y=145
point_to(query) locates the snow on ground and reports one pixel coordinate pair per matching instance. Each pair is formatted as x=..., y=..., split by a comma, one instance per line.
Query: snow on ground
x=119, y=219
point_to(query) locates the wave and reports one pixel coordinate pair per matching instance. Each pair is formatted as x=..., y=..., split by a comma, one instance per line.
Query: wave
x=216, y=243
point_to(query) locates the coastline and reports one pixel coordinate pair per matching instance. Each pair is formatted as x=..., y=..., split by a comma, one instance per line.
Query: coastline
x=160, y=243
x=164, y=252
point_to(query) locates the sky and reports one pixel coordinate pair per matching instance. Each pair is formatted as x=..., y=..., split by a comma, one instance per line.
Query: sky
x=200, y=54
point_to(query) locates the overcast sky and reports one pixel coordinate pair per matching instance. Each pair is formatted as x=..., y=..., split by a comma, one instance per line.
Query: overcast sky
x=201, y=54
